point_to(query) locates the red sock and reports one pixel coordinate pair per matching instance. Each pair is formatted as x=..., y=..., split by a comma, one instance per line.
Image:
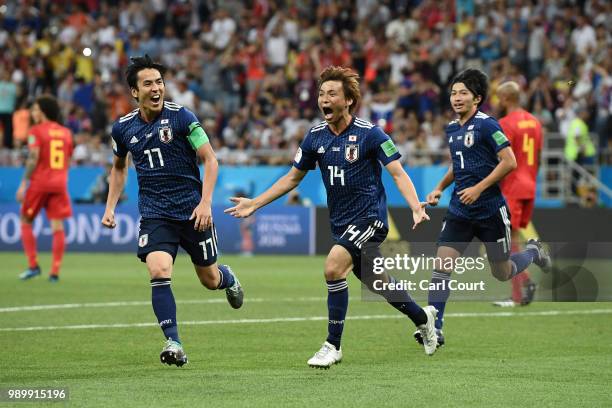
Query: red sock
x=58, y=247
x=29, y=244
x=517, y=285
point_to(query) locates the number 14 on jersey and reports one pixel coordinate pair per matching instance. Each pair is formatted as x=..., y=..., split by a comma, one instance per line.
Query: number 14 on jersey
x=335, y=172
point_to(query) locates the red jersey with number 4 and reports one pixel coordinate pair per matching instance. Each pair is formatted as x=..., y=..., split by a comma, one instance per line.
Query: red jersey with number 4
x=525, y=134
x=55, y=144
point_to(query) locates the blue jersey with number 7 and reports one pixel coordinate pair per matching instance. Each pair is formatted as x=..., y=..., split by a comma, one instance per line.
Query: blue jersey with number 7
x=474, y=147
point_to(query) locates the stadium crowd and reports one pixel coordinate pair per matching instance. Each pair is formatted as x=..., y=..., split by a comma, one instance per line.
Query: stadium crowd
x=249, y=69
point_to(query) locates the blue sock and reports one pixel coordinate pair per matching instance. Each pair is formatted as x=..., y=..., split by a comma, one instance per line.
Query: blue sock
x=521, y=260
x=401, y=300
x=164, y=307
x=337, y=304
x=227, y=279
x=439, y=295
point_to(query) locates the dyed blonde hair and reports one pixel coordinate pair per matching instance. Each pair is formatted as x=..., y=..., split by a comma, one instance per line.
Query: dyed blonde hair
x=350, y=83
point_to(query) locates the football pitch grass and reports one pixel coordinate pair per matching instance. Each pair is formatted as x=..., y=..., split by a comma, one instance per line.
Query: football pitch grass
x=95, y=334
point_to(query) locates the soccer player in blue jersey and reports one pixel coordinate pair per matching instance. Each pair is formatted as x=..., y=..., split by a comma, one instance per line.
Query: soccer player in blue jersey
x=349, y=151
x=165, y=141
x=481, y=157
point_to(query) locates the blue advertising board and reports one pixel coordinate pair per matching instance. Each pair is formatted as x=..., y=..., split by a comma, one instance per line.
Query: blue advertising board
x=253, y=180
x=272, y=230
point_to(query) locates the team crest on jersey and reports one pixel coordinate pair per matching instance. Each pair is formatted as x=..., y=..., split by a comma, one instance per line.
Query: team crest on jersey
x=165, y=134
x=143, y=240
x=351, y=153
x=468, y=141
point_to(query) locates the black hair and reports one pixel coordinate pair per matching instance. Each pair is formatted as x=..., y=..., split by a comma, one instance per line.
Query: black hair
x=137, y=64
x=49, y=106
x=476, y=81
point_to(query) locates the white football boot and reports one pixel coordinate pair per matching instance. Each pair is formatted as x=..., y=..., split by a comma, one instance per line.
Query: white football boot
x=326, y=356
x=428, y=331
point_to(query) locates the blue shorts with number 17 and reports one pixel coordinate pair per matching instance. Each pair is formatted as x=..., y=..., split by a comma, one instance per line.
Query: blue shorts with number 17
x=167, y=235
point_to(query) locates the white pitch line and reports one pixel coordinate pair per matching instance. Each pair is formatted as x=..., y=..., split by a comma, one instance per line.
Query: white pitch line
x=146, y=303
x=302, y=319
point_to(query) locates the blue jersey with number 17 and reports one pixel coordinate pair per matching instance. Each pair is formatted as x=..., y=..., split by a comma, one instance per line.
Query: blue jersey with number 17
x=351, y=170
x=169, y=184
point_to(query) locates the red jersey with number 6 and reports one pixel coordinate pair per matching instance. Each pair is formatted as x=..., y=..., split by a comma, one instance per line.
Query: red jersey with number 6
x=525, y=134
x=55, y=144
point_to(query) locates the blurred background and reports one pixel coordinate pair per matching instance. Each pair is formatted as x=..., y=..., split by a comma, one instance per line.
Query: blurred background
x=249, y=70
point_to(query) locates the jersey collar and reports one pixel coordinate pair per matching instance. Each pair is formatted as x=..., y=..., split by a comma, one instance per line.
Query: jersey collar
x=154, y=119
x=348, y=127
x=469, y=120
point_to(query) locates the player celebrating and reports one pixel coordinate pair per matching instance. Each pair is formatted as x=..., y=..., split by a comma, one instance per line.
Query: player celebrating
x=524, y=132
x=348, y=150
x=165, y=141
x=481, y=157
x=46, y=171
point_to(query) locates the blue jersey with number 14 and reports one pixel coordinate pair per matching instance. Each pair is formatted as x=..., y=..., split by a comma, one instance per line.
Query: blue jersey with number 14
x=350, y=168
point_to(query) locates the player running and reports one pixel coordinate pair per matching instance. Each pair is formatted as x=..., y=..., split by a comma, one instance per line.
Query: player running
x=481, y=157
x=44, y=183
x=348, y=150
x=165, y=140
x=524, y=133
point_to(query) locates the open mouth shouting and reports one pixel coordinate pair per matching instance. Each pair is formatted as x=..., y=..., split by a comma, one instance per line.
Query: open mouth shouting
x=156, y=100
x=328, y=113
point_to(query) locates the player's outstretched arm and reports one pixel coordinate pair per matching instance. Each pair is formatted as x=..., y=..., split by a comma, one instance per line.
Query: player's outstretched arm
x=203, y=212
x=116, y=183
x=434, y=197
x=245, y=206
x=507, y=163
x=406, y=187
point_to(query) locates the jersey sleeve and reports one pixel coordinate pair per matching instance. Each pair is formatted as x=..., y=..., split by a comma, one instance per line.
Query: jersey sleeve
x=540, y=134
x=190, y=126
x=493, y=135
x=305, y=158
x=119, y=148
x=383, y=146
x=69, y=144
x=507, y=129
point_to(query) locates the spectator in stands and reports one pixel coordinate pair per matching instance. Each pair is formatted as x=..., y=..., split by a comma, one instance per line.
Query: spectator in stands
x=579, y=147
x=583, y=36
x=21, y=123
x=223, y=29
x=8, y=100
x=265, y=54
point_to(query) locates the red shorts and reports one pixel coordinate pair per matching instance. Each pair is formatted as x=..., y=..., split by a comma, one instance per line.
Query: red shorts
x=56, y=204
x=520, y=212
